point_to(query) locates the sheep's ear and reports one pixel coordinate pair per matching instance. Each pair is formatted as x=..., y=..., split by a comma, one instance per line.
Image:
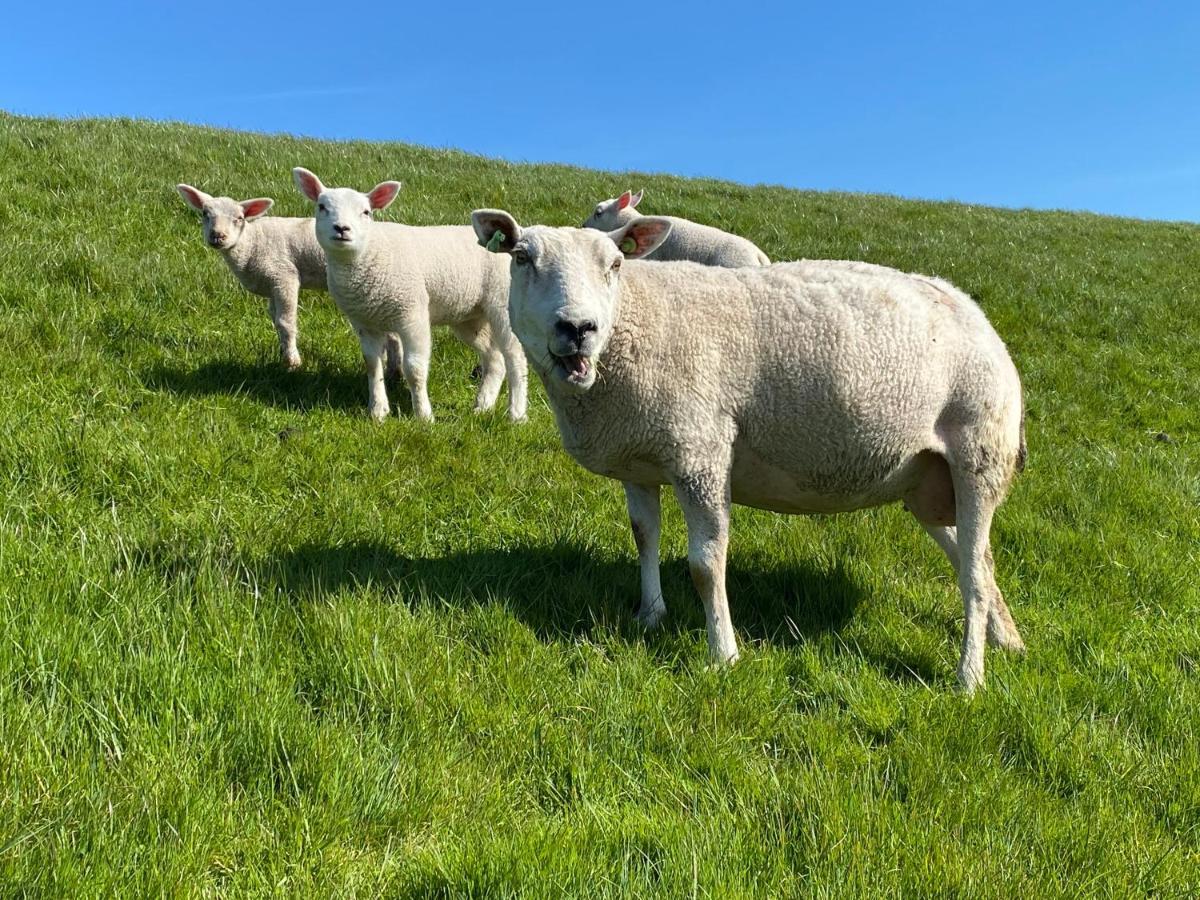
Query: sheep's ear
x=496, y=230
x=383, y=194
x=623, y=200
x=641, y=237
x=252, y=209
x=636, y=198
x=309, y=184
x=193, y=197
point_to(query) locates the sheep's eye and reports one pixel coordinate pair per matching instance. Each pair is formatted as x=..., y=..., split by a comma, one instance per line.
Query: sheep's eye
x=366, y=212
x=240, y=219
x=321, y=207
x=204, y=213
x=599, y=209
x=616, y=266
x=521, y=257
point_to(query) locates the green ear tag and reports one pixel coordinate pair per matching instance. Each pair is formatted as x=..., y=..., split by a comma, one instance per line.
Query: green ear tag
x=496, y=241
x=628, y=245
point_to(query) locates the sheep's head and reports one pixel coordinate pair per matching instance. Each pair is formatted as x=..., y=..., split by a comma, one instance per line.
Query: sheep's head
x=611, y=214
x=343, y=215
x=566, y=288
x=224, y=218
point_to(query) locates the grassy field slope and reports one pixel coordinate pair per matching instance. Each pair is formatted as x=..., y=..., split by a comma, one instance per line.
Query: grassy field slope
x=254, y=644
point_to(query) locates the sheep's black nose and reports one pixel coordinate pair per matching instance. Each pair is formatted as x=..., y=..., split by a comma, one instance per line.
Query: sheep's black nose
x=342, y=229
x=575, y=332
x=216, y=237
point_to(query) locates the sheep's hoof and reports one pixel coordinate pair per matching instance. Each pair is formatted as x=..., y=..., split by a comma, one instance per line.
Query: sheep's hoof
x=1009, y=641
x=969, y=681
x=379, y=414
x=717, y=663
x=292, y=363
x=649, y=618
x=720, y=657
x=518, y=420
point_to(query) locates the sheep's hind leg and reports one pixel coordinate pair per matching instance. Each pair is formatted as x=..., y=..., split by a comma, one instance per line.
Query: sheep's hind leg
x=1002, y=631
x=933, y=500
x=477, y=335
x=518, y=379
x=283, y=303
x=644, y=518
x=704, y=497
x=395, y=356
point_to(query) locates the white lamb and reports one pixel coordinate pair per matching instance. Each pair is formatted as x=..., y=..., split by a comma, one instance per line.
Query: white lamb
x=386, y=277
x=271, y=257
x=805, y=387
x=687, y=240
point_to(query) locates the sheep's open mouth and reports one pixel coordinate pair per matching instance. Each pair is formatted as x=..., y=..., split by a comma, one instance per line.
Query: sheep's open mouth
x=576, y=367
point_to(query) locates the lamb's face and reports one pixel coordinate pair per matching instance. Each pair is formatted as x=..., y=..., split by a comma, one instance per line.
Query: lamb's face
x=223, y=223
x=343, y=215
x=224, y=218
x=343, y=220
x=566, y=288
x=610, y=215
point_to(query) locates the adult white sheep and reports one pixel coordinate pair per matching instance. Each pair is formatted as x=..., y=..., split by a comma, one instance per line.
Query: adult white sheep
x=687, y=240
x=386, y=277
x=805, y=387
x=272, y=257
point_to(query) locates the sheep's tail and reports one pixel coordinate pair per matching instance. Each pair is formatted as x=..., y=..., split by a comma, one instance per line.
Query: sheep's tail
x=1022, y=447
x=763, y=259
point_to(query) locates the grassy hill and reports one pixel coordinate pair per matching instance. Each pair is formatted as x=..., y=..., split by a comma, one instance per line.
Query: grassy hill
x=254, y=644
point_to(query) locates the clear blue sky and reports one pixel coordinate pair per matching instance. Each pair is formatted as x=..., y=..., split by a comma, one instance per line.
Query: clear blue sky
x=1053, y=105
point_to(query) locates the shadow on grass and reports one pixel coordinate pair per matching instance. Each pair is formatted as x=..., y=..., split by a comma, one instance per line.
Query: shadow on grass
x=563, y=590
x=268, y=383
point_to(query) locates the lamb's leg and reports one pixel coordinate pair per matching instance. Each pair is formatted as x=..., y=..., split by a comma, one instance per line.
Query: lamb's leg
x=644, y=519
x=704, y=497
x=395, y=355
x=518, y=378
x=1001, y=629
x=372, y=351
x=417, y=341
x=514, y=363
x=284, y=299
x=478, y=336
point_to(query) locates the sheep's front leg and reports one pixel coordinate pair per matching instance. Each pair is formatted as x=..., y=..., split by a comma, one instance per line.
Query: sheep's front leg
x=704, y=497
x=372, y=351
x=644, y=519
x=284, y=300
x=418, y=342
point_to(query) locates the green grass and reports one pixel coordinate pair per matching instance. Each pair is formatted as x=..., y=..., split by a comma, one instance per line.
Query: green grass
x=254, y=644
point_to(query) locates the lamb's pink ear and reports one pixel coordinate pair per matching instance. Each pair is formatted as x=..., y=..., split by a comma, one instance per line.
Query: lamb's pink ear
x=383, y=194
x=192, y=197
x=252, y=209
x=623, y=200
x=496, y=230
x=641, y=237
x=309, y=184
x=636, y=199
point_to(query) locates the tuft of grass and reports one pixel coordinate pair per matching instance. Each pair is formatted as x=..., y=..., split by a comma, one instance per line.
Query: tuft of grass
x=254, y=644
